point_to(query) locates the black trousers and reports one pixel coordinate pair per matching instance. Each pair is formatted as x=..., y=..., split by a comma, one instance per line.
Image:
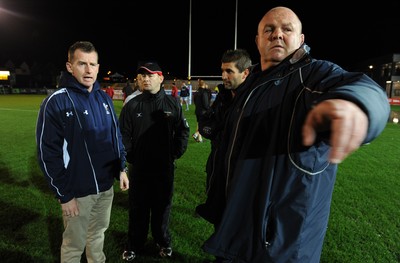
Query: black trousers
x=150, y=202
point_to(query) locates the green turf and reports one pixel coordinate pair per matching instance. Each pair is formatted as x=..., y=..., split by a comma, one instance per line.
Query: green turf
x=364, y=224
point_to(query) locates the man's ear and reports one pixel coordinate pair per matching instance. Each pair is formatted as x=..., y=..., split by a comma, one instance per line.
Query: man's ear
x=68, y=65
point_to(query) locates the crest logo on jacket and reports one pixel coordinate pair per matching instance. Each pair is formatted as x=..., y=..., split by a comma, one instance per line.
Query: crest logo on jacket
x=139, y=115
x=69, y=113
x=86, y=112
x=106, y=108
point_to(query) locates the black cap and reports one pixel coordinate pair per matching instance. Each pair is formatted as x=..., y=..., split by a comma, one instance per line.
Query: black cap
x=149, y=67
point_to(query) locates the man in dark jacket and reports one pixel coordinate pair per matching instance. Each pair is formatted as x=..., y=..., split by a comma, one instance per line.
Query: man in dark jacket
x=235, y=67
x=293, y=121
x=202, y=103
x=155, y=133
x=80, y=152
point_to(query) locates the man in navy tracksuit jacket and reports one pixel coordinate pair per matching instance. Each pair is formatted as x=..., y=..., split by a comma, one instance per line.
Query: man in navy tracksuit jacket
x=291, y=123
x=155, y=133
x=80, y=152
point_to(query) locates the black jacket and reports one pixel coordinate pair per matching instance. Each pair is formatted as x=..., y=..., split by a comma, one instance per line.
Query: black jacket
x=212, y=121
x=202, y=102
x=154, y=132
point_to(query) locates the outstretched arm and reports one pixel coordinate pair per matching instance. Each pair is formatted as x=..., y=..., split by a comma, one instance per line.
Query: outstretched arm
x=347, y=123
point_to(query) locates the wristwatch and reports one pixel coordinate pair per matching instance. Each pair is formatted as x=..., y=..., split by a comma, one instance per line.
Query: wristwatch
x=125, y=169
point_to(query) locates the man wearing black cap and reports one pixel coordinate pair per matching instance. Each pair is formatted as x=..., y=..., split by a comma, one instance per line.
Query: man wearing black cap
x=155, y=133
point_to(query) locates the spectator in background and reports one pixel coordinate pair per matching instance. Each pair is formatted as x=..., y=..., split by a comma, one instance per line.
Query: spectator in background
x=80, y=152
x=174, y=91
x=155, y=133
x=185, y=95
x=127, y=90
x=110, y=91
x=202, y=102
x=136, y=91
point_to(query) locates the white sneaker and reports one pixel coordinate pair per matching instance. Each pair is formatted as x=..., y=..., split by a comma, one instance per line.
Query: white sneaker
x=128, y=255
x=165, y=252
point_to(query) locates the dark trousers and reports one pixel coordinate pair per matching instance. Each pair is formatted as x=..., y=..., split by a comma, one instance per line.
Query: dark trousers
x=150, y=203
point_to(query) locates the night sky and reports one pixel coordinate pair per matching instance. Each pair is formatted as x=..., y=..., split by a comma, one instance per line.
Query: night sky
x=127, y=32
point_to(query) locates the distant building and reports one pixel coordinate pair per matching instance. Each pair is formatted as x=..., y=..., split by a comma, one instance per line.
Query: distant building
x=385, y=71
x=24, y=78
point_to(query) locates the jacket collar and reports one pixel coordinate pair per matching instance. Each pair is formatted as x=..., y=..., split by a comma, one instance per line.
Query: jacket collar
x=294, y=61
x=148, y=96
x=68, y=81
